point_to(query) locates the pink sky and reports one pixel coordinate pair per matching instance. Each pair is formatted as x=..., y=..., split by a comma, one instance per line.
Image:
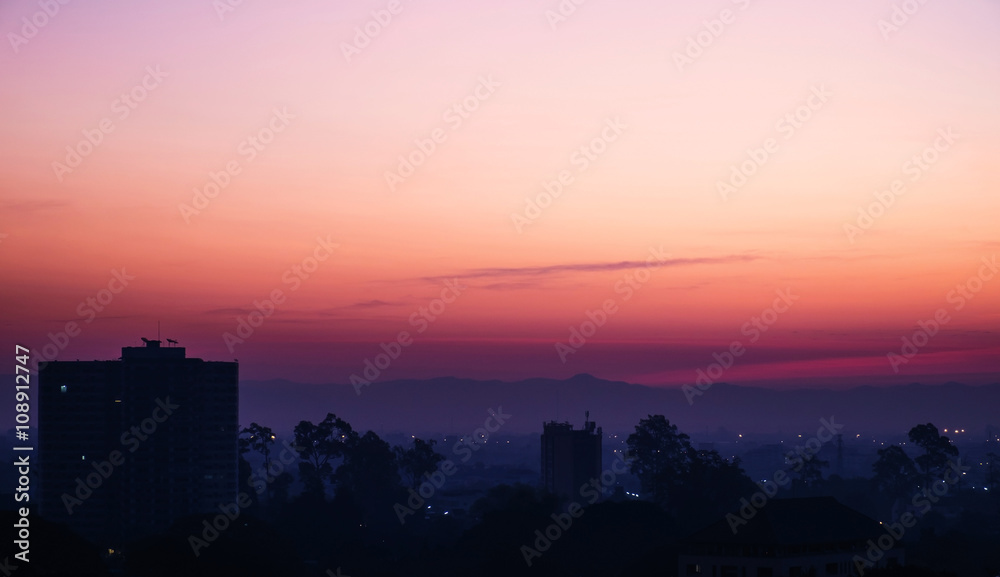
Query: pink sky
x=666, y=135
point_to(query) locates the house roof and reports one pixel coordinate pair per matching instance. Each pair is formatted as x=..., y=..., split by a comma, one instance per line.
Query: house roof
x=800, y=521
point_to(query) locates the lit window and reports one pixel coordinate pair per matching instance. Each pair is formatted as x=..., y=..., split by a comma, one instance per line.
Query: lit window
x=62, y=389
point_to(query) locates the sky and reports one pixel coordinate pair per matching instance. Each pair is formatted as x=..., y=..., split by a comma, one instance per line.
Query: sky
x=799, y=193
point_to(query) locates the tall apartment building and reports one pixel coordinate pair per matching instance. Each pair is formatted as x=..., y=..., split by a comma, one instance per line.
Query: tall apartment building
x=127, y=447
x=570, y=458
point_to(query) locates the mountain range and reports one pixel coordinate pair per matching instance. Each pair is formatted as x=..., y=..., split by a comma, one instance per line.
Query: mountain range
x=455, y=405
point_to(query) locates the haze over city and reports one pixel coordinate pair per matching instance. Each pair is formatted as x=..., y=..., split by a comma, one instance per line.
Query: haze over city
x=413, y=288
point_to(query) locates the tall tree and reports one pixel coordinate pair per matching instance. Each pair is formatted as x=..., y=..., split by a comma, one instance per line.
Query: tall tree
x=711, y=486
x=810, y=474
x=369, y=465
x=370, y=475
x=661, y=457
x=895, y=473
x=938, y=451
x=895, y=477
x=258, y=438
x=419, y=459
x=320, y=445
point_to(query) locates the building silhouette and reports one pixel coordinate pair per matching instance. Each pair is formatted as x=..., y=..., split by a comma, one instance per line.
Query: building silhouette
x=570, y=458
x=127, y=447
x=795, y=537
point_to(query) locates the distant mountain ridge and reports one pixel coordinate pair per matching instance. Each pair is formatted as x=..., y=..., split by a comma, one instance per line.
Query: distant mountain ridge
x=456, y=405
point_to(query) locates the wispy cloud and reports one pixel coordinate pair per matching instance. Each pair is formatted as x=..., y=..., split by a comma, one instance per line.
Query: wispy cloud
x=28, y=205
x=556, y=269
x=227, y=311
x=371, y=304
x=511, y=286
x=310, y=313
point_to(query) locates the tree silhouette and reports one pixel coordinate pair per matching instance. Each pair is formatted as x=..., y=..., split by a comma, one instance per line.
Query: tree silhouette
x=318, y=446
x=369, y=465
x=258, y=438
x=938, y=451
x=810, y=474
x=417, y=460
x=279, y=488
x=710, y=486
x=369, y=475
x=895, y=473
x=661, y=457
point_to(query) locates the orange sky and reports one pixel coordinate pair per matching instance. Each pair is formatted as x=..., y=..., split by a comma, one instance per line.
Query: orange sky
x=494, y=104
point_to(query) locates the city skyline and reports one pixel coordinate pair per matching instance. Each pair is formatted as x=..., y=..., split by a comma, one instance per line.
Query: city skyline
x=574, y=287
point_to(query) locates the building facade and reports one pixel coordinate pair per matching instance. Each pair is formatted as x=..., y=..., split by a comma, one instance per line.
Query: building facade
x=127, y=447
x=570, y=458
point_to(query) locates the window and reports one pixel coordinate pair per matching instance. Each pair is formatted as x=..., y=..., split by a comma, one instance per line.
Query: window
x=62, y=389
x=765, y=572
x=694, y=569
x=831, y=569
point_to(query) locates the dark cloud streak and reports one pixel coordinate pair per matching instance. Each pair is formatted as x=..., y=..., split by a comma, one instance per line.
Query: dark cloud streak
x=536, y=271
